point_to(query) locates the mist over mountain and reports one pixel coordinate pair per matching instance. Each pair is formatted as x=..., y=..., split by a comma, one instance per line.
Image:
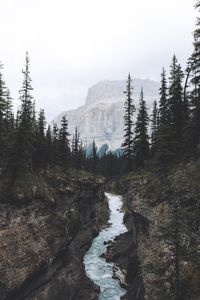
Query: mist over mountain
x=102, y=116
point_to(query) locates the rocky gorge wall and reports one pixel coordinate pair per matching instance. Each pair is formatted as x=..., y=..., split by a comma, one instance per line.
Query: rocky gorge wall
x=159, y=255
x=42, y=244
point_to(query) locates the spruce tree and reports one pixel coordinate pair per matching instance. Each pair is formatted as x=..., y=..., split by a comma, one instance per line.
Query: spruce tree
x=194, y=128
x=163, y=103
x=40, y=142
x=127, y=145
x=176, y=107
x=141, y=139
x=75, y=148
x=154, y=129
x=81, y=156
x=9, y=116
x=64, y=144
x=24, y=140
x=55, y=149
x=3, y=131
x=3, y=91
x=9, y=127
x=49, y=149
x=186, y=93
x=163, y=155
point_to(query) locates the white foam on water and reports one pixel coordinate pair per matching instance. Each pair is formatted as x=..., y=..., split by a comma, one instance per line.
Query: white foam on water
x=97, y=269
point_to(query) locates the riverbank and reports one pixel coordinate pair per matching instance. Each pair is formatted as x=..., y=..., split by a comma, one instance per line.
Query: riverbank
x=43, y=243
x=162, y=217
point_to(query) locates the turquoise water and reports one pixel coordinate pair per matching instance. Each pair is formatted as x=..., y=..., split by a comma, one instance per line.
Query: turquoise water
x=97, y=269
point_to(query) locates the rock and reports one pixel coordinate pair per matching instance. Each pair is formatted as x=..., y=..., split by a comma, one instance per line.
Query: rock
x=42, y=248
x=102, y=117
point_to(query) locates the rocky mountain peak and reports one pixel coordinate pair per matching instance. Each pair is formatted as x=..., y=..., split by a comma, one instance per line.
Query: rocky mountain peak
x=113, y=91
x=101, y=118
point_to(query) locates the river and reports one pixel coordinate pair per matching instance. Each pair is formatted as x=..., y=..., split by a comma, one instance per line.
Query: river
x=97, y=269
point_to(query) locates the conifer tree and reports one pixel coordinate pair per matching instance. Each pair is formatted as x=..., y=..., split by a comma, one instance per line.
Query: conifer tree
x=127, y=145
x=49, y=148
x=16, y=121
x=154, y=129
x=40, y=142
x=163, y=155
x=9, y=117
x=24, y=140
x=9, y=127
x=3, y=131
x=55, y=149
x=75, y=148
x=64, y=145
x=176, y=106
x=163, y=103
x=2, y=95
x=186, y=93
x=81, y=156
x=194, y=128
x=141, y=139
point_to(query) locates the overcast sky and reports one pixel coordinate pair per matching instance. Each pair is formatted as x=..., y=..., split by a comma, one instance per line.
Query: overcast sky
x=75, y=43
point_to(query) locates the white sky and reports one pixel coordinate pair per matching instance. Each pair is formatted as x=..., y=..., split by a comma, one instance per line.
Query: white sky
x=76, y=43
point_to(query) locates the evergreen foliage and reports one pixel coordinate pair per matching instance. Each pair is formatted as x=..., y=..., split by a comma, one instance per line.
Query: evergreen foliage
x=22, y=156
x=3, y=110
x=163, y=103
x=49, y=149
x=55, y=148
x=176, y=107
x=154, y=129
x=76, y=148
x=40, y=142
x=194, y=126
x=163, y=154
x=141, y=139
x=64, y=144
x=129, y=107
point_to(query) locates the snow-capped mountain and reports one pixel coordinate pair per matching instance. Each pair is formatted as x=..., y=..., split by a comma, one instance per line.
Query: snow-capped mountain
x=101, y=118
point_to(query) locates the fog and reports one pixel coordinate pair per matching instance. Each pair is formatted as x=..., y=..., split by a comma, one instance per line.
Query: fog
x=75, y=43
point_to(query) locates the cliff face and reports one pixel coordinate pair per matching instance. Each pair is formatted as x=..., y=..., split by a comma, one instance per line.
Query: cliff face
x=102, y=117
x=165, y=231
x=42, y=244
x=159, y=255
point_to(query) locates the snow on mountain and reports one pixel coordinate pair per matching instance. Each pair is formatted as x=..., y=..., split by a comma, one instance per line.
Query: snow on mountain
x=101, y=118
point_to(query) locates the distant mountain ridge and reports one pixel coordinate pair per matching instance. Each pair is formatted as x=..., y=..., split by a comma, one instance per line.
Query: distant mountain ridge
x=101, y=118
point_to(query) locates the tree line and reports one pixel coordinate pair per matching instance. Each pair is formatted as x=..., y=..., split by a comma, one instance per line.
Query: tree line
x=174, y=124
x=27, y=145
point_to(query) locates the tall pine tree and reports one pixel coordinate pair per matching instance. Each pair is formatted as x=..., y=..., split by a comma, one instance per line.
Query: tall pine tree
x=127, y=145
x=55, y=149
x=154, y=129
x=49, y=148
x=76, y=150
x=141, y=139
x=22, y=158
x=176, y=106
x=163, y=155
x=3, y=131
x=194, y=128
x=40, y=142
x=64, y=144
